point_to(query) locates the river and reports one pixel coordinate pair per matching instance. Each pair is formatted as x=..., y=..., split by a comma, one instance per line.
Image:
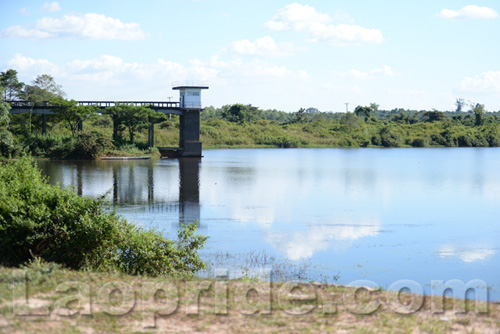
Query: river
x=336, y=215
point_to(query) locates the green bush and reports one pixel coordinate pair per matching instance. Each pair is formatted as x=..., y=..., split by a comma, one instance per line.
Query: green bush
x=49, y=145
x=103, y=121
x=7, y=143
x=91, y=145
x=38, y=220
x=389, y=138
x=420, y=142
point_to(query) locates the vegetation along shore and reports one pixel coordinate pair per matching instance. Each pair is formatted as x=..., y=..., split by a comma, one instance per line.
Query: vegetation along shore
x=237, y=125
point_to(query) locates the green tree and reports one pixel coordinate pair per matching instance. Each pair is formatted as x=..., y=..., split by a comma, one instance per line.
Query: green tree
x=240, y=113
x=433, y=116
x=42, y=89
x=132, y=118
x=6, y=138
x=12, y=86
x=478, y=110
x=460, y=103
x=300, y=116
x=351, y=121
x=374, y=107
x=4, y=111
x=364, y=112
x=71, y=113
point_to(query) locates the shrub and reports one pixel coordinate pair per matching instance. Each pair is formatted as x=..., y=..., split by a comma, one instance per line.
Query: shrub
x=420, y=142
x=38, y=220
x=7, y=143
x=50, y=145
x=103, y=121
x=169, y=124
x=388, y=138
x=90, y=145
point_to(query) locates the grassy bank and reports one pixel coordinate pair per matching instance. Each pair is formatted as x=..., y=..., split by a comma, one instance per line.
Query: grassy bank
x=45, y=298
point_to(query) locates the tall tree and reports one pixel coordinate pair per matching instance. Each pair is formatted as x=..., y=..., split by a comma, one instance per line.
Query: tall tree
x=460, y=103
x=374, y=107
x=6, y=138
x=12, y=86
x=363, y=112
x=478, y=110
x=4, y=112
x=43, y=88
x=300, y=116
x=71, y=113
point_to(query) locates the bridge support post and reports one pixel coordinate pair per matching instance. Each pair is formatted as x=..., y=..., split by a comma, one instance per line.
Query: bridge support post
x=189, y=136
x=44, y=124
x=80, y=126
x=151, y=133
x=115, y=128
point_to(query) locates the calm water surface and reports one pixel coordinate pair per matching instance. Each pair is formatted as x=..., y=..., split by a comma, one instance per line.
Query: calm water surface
x=376, y=214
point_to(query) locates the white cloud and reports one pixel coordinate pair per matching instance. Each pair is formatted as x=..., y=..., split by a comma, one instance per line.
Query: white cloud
x=253, y=69
x=304, y=18
x=32, y=66
x=487, y=83
x=87, y=78
x=51, y=7
x=300, y=245
x=297, y=17
x=89, y=26
x=407, y=92
x=385, y=71
x=466, y=254
x=24, y=11
x=265, y=46
x=469, y=12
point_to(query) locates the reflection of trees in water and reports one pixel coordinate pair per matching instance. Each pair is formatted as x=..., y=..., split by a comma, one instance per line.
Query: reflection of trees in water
x=135, y=183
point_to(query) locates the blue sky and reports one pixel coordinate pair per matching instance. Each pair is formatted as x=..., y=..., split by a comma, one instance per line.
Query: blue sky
x=272, y=54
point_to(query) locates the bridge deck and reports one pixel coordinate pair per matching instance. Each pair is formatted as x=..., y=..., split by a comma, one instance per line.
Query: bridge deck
x=19, y=107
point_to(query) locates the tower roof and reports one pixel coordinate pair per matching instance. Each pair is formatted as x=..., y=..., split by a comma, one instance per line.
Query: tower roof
x=190, y=84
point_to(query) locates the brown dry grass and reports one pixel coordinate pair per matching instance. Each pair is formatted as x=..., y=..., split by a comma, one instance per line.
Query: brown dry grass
x=210, y=306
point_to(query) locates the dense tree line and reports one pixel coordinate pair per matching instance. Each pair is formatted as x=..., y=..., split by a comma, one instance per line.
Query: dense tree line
x=469, y=125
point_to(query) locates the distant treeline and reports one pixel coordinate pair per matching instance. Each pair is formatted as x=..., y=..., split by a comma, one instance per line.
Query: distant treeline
x=312, y=113
x=236, y=125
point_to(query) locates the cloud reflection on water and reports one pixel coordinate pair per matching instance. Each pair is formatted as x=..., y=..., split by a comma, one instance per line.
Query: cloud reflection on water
x=320, y=237
x=467, y=253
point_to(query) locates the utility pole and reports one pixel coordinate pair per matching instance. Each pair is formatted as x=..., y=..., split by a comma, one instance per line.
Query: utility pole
x=170, y=115
x=346, y=107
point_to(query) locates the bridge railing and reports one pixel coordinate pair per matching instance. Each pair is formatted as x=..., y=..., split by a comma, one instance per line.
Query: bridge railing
x=100, y=104
x=154, y=104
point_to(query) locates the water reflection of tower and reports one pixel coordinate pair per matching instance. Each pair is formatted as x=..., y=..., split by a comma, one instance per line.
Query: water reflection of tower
x=189, y=190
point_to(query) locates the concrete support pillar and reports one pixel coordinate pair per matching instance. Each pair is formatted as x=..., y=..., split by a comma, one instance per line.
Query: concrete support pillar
x=115, y=128
x=44, y=124
x=151, y=133
x=80, y=126
x=189, y=136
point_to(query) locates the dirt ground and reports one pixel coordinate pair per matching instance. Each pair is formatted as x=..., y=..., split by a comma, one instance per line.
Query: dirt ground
x=54, y=300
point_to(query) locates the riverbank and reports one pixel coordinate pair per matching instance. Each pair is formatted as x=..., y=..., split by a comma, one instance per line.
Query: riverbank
x=347, y=131
x=53, y=299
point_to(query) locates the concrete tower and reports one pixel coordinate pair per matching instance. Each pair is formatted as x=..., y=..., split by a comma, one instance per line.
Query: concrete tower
x=190, y=102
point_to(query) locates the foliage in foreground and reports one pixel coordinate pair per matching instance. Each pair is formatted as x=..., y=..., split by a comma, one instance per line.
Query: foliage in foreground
x=38, y=220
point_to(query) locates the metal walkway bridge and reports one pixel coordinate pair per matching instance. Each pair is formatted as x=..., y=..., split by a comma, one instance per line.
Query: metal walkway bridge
x=189, y=129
